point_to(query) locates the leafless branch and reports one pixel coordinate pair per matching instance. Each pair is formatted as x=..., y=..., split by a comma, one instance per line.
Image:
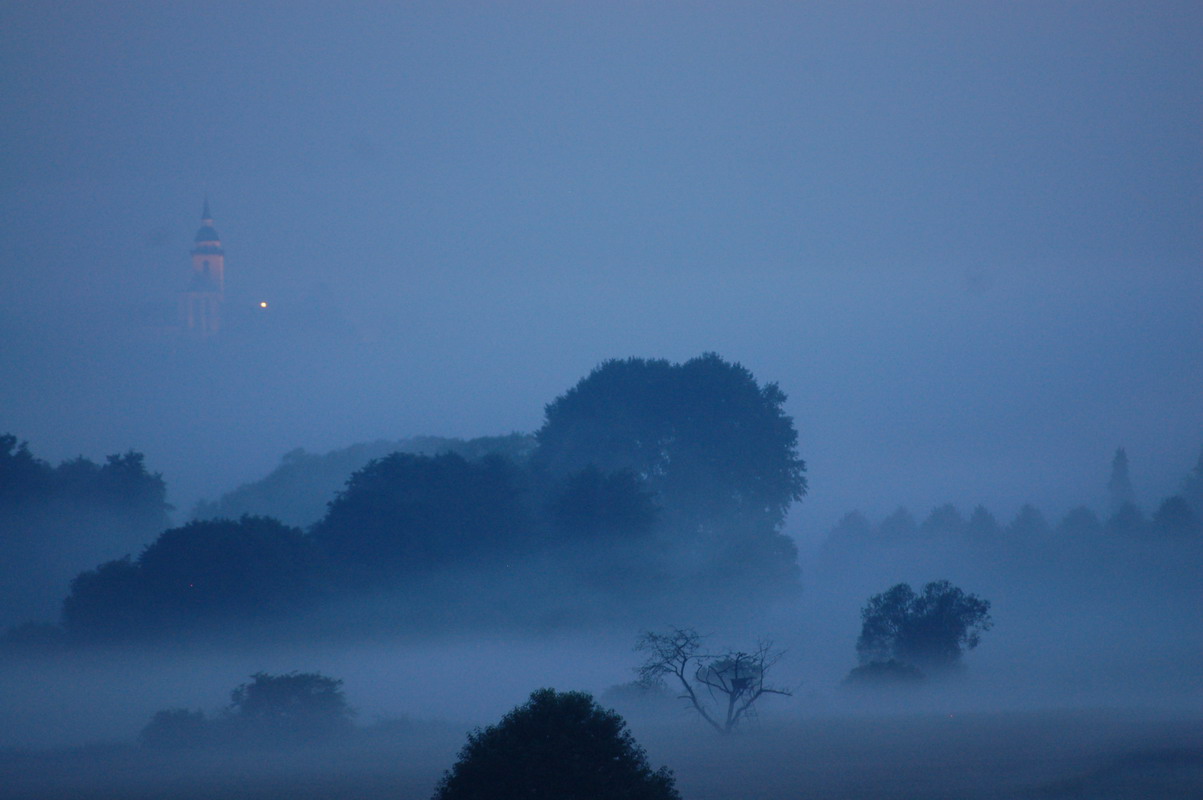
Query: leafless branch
x=733, y=678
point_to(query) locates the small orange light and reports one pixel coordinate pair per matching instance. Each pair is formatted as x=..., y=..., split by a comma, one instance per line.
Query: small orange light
x=263, y=304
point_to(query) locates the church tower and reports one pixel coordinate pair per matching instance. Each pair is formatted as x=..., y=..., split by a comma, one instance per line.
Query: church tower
x=200, y=303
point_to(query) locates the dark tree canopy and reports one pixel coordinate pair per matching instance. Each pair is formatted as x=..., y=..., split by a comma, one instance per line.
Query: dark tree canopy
x=1175, y=517
x=297, y=706
x=593, y=505
x=714, y=448
x=982, y=525
x=204, y=572
x=944, y=520
x=853, y=530
x=1080, y=522
x=56, y=521
x=558, y=745
x=270, y=711
x=22, y=476
x=122, y=484
x=405, y=513
x=710, y=442
x=1128, y=521
x=1029, y=524
x=929, y=630
x=899, y=526
x=299, y=489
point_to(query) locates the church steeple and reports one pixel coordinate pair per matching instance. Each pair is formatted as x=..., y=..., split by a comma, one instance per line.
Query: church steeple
x=201, y=302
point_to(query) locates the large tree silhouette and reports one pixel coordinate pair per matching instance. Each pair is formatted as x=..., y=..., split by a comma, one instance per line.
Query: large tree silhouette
x=714, y=447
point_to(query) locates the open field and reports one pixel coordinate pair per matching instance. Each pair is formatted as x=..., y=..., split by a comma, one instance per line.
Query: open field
x=1111, y=755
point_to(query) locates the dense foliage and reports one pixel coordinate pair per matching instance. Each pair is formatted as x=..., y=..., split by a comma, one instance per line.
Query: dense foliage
x=271, y=710
x=651, y=483
x=715, y=449
x=928, y=630
x=299, y=489
x=403, y=514
x=56, y=521
x=252, y=569
x=557, y=745
x=652, y=487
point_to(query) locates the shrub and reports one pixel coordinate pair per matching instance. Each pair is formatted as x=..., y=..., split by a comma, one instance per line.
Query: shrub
x=557, y=745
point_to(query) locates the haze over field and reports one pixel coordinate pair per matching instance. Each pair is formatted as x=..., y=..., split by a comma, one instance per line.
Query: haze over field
x=546, y=291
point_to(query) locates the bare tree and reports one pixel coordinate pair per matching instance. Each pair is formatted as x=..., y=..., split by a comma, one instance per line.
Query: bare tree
x=722, y=687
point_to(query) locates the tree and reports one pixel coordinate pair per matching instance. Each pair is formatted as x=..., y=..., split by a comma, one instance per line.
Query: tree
x=721, y=687
x=1175, y=517
x=593, y=505
x=1119, y=485
x=982, y=525
x=198, y=574
x=1128, y=521
x=404, y=513
x=900, y=526
x=106, y=602
x=1029, y=526
x=299, y=489
x=1080, y=523
x=853, y=531
x=944, y=520
x=272, y=710
x=714, y=447
x=57, y=521
x=22, y=476
x=557, y=745
x=892, y=673
x=295, y=707
x=1192, y=487
x=929, y=630
x=220, y=568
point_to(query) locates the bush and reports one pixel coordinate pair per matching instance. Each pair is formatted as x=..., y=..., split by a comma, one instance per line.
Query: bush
x=557, y=745
x=929, y=630
x=203, y=574
x=884, y=674
x=271, y=710
x=292, y=708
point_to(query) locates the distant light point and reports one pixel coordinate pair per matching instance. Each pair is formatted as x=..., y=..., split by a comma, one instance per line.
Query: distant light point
x=263, y=304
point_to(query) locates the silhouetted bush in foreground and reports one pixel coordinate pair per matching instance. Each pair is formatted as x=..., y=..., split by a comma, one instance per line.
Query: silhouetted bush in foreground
x=557, y=745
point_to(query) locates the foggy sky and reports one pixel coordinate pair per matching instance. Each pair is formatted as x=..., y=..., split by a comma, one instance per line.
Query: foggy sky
x=963, y=238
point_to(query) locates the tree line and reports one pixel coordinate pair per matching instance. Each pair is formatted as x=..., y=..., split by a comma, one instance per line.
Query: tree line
x=58, y=520
x=647, y=480
x=1179, y=516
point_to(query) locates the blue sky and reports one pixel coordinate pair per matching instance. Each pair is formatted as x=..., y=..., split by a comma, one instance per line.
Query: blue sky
x=963, y=237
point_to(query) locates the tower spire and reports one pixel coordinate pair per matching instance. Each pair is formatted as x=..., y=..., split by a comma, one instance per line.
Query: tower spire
x=201, y=302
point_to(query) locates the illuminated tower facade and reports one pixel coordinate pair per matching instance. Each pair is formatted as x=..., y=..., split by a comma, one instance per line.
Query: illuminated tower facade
x=200, y=303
